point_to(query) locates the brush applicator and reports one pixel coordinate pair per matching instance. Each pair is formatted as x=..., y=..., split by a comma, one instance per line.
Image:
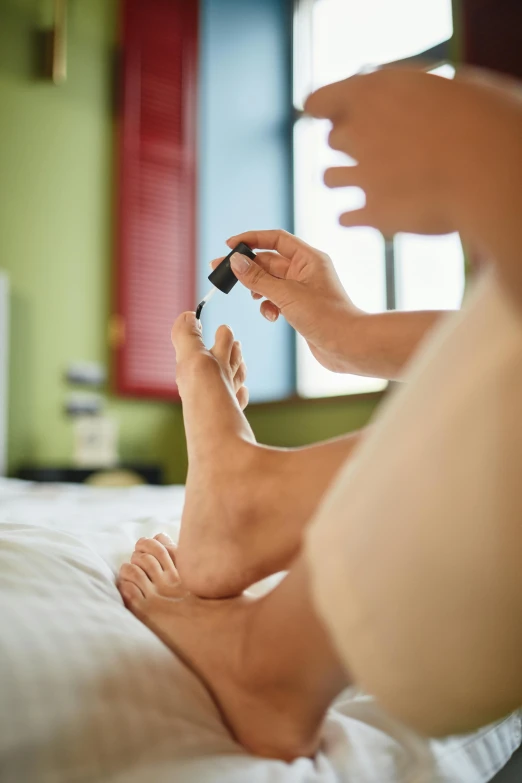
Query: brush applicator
x=222, y=277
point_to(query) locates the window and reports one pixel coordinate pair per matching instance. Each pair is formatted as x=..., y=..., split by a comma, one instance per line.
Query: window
x=181, y=193
x=334, y=39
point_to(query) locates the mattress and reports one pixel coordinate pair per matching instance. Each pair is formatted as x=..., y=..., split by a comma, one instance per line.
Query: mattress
x=88, y=693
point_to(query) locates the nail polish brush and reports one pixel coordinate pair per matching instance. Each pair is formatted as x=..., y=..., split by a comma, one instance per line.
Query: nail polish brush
x=222, y=277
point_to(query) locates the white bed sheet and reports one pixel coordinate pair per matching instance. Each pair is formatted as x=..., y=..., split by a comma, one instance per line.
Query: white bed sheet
x=87, y=693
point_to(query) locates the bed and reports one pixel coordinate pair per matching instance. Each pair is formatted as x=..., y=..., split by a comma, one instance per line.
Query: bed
x=87, y=693
x=4, y=367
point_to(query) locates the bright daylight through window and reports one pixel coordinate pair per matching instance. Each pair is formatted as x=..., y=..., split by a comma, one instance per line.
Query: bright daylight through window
x=335, y=39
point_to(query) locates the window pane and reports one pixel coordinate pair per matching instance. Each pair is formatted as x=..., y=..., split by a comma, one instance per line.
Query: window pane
x=341, y=37
x=350, y=34
x=357, y=253
x=429, y=272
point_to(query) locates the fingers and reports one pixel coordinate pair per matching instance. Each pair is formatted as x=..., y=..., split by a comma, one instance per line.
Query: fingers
x=276, y=239
x=333, y=101
x=343, y=177
x=186, y=336
x=223, y=343
x=271, y=262
x=256, y=279
x=216, y=262
x=269, y=311
x=341, y=138
x=357, y=217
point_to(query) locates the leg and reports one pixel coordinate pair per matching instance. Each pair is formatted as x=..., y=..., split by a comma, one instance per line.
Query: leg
x=248, y=652
x=246, y=504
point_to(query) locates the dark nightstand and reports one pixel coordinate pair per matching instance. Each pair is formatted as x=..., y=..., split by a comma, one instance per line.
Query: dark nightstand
x=149, y=474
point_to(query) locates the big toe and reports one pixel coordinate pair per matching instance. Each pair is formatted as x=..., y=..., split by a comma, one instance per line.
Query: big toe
x=162, y=550
x=169, y=545
x=164, y=539
x=186, y=336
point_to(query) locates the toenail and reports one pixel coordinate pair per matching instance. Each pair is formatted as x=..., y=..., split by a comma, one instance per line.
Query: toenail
x=191, y=320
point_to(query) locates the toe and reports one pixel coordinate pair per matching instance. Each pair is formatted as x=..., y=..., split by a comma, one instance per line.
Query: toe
x=163, y=538
x=240, y=376
x=236, y=357
x=149, y=564
x=168, y=543
x=223, y=344
x=129, y=572
x=186, y=336
x=152, y=546
x=242, y=397
x=132, y=595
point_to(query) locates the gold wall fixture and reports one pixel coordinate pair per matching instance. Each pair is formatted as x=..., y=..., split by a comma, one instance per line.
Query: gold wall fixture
x=59, y=43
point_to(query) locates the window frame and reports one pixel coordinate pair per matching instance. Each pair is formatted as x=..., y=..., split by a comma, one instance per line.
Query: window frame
x=432, y=58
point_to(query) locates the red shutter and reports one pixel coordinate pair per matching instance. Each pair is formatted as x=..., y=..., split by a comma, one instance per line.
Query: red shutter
x=155, y=259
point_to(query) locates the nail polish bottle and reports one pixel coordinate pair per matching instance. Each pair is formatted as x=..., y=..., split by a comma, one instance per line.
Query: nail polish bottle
x=222, y=277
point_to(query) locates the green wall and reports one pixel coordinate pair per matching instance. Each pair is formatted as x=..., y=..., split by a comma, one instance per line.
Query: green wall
x=56, y=194
x=56, y=165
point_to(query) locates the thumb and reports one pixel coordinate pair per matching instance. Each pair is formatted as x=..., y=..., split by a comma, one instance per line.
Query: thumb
x=186, y=336
x=257, y=280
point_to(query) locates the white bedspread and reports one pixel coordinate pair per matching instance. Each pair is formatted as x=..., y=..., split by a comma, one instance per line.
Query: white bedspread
x=87, y=693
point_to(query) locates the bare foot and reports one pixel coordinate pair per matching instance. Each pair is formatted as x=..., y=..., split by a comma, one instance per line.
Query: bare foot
x=228, y=540
x=272, y=700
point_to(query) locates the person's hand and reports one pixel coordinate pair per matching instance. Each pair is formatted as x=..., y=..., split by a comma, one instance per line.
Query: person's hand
x=300, y=283
x=427, y=148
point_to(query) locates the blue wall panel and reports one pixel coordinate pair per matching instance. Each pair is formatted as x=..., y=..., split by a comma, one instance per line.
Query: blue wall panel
x=244, y=179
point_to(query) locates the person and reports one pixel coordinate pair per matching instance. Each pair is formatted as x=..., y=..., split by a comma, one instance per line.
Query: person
x=408, y=581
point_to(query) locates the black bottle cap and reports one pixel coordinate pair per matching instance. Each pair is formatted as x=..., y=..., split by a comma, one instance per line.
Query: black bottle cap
x=223, y=277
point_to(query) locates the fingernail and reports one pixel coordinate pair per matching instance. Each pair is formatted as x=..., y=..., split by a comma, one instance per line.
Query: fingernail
x=239, y=263
x=270, y=315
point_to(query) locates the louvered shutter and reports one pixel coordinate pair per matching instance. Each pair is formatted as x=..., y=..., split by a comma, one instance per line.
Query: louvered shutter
x=155, y=259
